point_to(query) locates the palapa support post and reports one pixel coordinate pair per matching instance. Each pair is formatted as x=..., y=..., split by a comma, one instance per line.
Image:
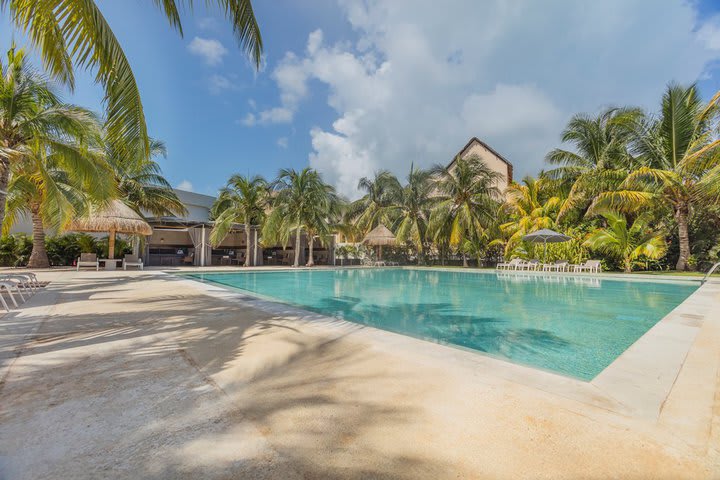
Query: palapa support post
x=111, y=244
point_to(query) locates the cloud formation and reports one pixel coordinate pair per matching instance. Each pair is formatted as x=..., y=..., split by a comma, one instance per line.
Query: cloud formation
x=418, y=81
x=185, y=185
x=209, y=49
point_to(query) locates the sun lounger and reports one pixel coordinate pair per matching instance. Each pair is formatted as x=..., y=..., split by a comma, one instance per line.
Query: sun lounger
x=132, y=261
x=10, y=286
x=531, y=265
x=556, y=266
x=511, y=265
x=592, y=266
x=23, y=281
x=88, y=260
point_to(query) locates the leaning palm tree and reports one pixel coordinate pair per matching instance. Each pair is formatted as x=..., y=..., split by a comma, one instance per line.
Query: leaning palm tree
x=243, y=200
x=410, y=207
x=628, y=243
x=32, y=117
x=73, y=34
x=679, y=151
x=53, y=186
x=466, y=202
x=601, y=158
x=371, y=210
x=303, y=203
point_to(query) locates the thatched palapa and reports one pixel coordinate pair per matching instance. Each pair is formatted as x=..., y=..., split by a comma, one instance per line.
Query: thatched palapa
x=378, y=237
x=115, y=217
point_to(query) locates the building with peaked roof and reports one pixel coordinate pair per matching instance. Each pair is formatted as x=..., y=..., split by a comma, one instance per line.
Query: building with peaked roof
x=491, y=158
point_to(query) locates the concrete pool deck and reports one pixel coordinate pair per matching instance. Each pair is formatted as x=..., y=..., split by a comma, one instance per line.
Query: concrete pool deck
x=141, y=375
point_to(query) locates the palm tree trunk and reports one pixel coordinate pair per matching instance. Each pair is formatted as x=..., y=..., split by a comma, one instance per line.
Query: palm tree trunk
x=311, y=260
x=296, y=263
x=247, y=247
x=628, y=265
x=465, y=264
x=4, y=180
x=38, y=257
x=682, y=212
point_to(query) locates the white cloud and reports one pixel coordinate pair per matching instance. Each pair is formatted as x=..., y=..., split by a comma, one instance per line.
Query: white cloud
x=249, y=120
x=282, y=142
x=209, y=49
x=185, y=185
x=709, y=33
x=220, y=83
x=419, y=81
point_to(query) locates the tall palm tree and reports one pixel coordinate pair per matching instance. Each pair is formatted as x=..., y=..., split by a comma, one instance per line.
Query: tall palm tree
x=629, y=243
x=466, y=201
x=679, y=150
x=601, y=158
x=369, y=211
x=32, y=117
x=303, y=203
x=531, y=207
x=74, y=34
x=410, y=207
x=53, y=186
x=243, y=200
x=141, y=184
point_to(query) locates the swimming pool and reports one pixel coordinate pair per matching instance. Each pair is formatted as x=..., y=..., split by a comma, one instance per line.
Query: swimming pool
x=574, y=326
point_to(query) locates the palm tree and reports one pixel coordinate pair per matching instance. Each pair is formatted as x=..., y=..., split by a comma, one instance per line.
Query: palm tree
x=371, y=210
x=531, y=206
x=303, y=203
x=32, y=118
x=678, y=150
x=141, y=184
x=601, y=157
x=410, y=207
x=467, y=198
x=53, y=186
x=243, y=200
x=74, y=34
x=628, y=243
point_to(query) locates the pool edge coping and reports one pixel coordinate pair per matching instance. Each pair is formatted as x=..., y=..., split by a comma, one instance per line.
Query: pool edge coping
x=624, y=387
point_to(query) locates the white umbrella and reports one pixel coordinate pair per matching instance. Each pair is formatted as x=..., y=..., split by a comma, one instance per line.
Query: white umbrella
x=545, y=236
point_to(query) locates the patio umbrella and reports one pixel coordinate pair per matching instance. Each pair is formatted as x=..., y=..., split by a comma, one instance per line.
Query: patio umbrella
x=115, y=217
x=545, y=236
x=378, y=237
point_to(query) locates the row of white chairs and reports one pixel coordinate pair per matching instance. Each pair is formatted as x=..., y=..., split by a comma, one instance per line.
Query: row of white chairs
x=592, y=266
x=23, y=285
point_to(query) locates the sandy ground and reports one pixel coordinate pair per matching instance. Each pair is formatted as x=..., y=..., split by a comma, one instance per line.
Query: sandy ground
x=134, y=375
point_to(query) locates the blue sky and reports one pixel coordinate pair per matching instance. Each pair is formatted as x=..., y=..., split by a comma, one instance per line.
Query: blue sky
x=350, y=87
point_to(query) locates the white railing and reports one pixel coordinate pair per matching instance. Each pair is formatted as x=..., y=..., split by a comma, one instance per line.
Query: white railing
x=710, y=272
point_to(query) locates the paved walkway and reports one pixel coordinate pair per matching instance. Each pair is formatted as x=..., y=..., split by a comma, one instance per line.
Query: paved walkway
x=137, y=375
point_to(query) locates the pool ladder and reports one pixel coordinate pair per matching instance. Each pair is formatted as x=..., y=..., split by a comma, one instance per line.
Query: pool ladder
x=710, y=272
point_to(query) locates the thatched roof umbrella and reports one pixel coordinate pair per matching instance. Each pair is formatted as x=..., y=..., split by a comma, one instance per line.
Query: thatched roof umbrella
x=378, y=237
x=115, y=217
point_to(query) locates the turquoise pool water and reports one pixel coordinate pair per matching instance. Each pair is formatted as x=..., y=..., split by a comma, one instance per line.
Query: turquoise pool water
x=575, y=326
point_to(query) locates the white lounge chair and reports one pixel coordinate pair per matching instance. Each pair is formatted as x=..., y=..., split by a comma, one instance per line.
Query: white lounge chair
x=23, y=281
x=511, y=265
x=592, y=266
x=88, y=260
x=556, y=266
x=10, y=286
x=531, y=265
x=132, y=261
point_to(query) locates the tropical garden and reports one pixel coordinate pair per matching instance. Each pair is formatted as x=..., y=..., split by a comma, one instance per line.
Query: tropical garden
x=638, y=189
x=58, y=161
